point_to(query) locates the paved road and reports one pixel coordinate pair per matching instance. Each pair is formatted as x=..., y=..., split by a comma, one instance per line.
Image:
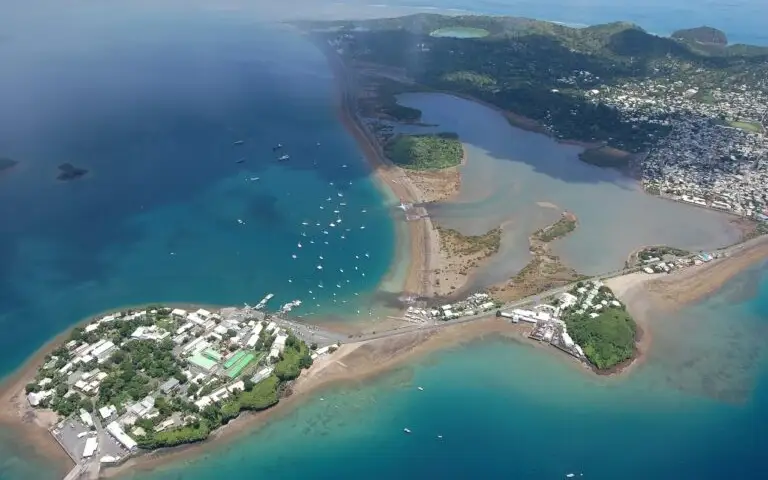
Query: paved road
x=534, y=298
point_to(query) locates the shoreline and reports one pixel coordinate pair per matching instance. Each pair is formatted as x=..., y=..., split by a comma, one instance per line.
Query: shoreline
x=649, y=297
x=421, y=233
x=646, y=296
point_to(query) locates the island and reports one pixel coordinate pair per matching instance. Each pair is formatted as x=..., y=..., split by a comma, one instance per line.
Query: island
x=69, y=172
x=137, y=380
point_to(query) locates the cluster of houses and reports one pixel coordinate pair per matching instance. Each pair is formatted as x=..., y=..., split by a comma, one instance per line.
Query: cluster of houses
x=716, y=152
x=217, y=350
x=588, y=299
x=659, y=265
x=549, y=327
x=472, y=305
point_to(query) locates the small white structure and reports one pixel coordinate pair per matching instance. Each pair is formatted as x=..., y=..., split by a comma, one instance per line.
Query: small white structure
x=90, y=447
x=107, y=411
x=86, y=418
x=178, y=312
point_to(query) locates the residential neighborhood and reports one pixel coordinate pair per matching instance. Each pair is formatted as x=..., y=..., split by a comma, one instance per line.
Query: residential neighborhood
x=164, y=376
x=715, y=153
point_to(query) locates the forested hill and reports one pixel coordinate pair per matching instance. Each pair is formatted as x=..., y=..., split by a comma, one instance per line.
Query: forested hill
x=578, y=83
x=612, y=39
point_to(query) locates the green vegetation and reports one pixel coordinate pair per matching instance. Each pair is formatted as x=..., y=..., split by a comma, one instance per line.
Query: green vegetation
x=561, y=228
x=660, y=251
x=254, y=397
x=399, y=112
x=607, y=340
x=136, y=369
x=460, y=32
x=425, y=152
x=293, y=359
x=705, y=35
x=536, y=68
x=456, y=243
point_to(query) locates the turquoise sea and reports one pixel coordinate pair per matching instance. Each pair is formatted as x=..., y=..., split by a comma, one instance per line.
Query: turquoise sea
x=150, y=98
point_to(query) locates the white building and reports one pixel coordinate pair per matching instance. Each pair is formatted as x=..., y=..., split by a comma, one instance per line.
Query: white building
x=90, y=447
x=117, y=431
x=86, y=418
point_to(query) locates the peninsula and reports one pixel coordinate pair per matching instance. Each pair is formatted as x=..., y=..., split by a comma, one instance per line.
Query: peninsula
x=137, y=380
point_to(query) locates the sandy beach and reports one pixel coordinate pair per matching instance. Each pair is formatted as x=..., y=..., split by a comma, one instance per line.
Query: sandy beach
x=649, y=297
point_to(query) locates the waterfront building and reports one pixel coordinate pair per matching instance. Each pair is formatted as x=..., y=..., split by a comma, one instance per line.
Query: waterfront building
x=119, y=434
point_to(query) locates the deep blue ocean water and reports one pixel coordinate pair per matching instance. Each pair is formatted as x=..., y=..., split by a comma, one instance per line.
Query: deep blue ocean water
x=150, y=99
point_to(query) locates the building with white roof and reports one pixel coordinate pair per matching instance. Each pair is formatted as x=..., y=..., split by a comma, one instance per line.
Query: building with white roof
x=86, y=418
x=119, y=434
x=202, y=313
x=107, y=411
x=90, y=447
x=178, y=312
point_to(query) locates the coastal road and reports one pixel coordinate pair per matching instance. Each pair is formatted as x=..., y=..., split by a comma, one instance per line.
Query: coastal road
x=724, y=252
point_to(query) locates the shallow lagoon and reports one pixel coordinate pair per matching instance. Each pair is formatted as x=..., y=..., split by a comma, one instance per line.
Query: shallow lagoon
x=523, y=180
x=512, y=410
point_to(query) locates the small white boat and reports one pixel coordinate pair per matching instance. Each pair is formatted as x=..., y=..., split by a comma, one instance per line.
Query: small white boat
x=321, y=257
x=570, y=475
x=338, y=221
x=322, y=207
x=364, y=210
x=338, y=286
x=340, y=194
x=355, y=267
x=240, y=222
x=319, y=267
x=293, y=256
x=440, y=437
x=344, y=166
x=305, y=223
x=328, y=199
x=290, y=281
x=362, y=227
x=284, y=157
x=325, y=232
x=343, y=237
x=421, y=389
x=341, y=270
x=253, y=179
x=407, y=430
x=335, y=211
x=367, y=255
x=299, y=244
x=331, y=224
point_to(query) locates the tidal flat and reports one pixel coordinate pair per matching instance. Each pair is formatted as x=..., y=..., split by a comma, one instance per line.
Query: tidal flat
x=523, y=181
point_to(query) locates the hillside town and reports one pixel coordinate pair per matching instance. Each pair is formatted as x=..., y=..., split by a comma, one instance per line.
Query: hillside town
x=716, y=152
x=156, y=377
